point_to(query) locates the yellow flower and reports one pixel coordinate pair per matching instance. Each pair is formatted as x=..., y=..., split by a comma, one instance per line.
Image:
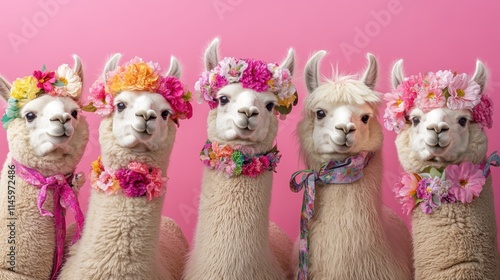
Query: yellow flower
x=24, y=88
x=287, y=102
x=135, y=76
x=96, y=166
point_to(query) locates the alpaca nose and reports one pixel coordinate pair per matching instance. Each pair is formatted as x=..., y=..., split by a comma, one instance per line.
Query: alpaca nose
x=62, y=118
x=249, y=111
x=346, y=128
x=146, y=115
x=438, y=127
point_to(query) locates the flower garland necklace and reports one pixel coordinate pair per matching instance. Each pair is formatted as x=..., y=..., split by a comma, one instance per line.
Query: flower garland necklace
x=332, y=172
x=433, y=187
x=234, y=162
x=443, y=89
x=135, y=181
x=137, y=75
x=252, y=74
x=62, y=82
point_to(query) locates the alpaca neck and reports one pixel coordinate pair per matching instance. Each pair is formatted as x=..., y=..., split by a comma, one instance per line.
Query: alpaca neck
x=236, y=209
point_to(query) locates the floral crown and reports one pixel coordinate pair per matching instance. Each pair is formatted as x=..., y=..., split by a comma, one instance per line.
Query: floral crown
x=443, y=89
x=137, y=75
x=252, y=74
x=62, y=82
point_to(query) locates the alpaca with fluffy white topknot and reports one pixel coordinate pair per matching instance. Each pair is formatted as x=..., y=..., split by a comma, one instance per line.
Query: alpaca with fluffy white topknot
x=47, y=138
x=125, y=236
x=346, y=231
x=233, y=238
x=440, y=119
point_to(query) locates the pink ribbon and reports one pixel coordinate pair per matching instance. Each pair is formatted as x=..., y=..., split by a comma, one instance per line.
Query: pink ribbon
x=64, y=198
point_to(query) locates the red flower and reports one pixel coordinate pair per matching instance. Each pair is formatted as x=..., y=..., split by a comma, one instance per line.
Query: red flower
x=45, y=80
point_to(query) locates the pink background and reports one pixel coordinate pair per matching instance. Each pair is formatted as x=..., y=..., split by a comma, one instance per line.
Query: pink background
x=429, y=35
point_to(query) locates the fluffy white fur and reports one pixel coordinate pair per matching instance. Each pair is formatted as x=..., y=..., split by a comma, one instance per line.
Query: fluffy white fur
x=127, y=238
x=456, y=241
x=53, y=143
x=234, y=239
x=352, y=235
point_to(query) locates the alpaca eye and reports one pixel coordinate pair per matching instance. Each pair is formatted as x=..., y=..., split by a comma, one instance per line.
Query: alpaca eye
x=165, y=114
x=462, y=121
x=223, y=100
x=74, y=114
x=415, y=121
x=270, y=106
x=30, y=116
x=320, y=114
x=120, y=106
x=365, y=119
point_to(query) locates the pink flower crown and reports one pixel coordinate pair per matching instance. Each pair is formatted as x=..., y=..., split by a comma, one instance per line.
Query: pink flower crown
x=252, y=74
x=63, y=82
x=437, y=90
x=137, y=75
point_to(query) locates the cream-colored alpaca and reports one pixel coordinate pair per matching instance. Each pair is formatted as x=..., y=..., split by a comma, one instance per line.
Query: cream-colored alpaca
x=234, y=239
x=457, y=240
x=352, y=235
x=126, y=237
x=49, y=137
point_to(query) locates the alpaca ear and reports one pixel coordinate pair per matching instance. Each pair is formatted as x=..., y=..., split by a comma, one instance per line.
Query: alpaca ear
x=175, y=68
x=312, y=71
x=111, y=64
x=212, y=55
x=481, y=75
x=78, y=68
x=289, y=62
x=371, y=72
x=4, y=88
x=397, y=74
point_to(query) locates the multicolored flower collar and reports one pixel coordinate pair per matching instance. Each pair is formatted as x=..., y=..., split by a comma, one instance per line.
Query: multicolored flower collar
x=137, y=75
x=234, y=162
x=62, y=82
x=135, y=181
x=433, y=187
x=333, y=172
x=443, y=89
x=252, y=74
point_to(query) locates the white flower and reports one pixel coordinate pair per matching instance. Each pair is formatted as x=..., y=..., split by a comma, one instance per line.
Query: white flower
x=232, y=69
x=72, y=82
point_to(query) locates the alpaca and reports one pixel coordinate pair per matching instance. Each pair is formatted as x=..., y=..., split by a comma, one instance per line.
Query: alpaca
x=125, y=236
x=346, y=232
x=441, y=145
x=47, y=138
x=233, y=238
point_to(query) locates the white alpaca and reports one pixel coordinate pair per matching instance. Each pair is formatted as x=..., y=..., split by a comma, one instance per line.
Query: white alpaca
x=441, y=121
x=125, y=236
x=234, y=239
x=351, y=234
x=47, y=137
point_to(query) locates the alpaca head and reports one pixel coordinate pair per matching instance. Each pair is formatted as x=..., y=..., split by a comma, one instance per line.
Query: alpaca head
x=245, y=97
x=43, y=118
x=340, y=115
x=441, y=119
x=143, y=108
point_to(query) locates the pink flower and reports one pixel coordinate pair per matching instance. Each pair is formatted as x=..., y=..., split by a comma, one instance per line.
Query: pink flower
x=253, y=169
x=395, y=101
x=409, y=87
x=429, y=98
x=45, y=80
x=256, y=75
x=394, y=121
x=464, y=93
x=138, y=167
x=102, y=101
x=467, y=181
x=406, y=190
x=155, y=188
x=105, y=182
x=442, y=79
x=483, y=112
x=133, y=184
x=172, y=90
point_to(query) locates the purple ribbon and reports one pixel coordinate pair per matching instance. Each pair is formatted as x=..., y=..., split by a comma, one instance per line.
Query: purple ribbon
x=333, y=172
x=64, y=198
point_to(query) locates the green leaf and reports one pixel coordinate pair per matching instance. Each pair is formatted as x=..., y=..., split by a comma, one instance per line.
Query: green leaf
x=58, y=84
x=284, y=110
x=434, y=172
x=296, y=101
x=44, y=68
